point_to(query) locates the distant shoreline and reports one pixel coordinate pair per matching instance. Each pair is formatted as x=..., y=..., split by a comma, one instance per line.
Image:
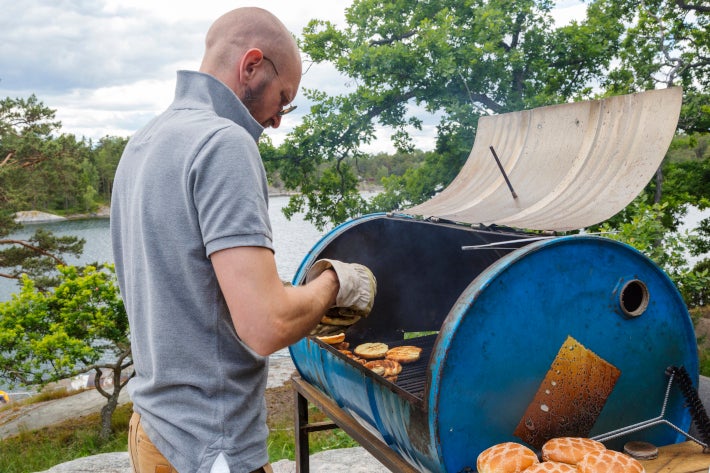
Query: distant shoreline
x=36, y=216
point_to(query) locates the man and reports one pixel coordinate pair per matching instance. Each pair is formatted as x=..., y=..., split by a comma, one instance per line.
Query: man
x=194, y=258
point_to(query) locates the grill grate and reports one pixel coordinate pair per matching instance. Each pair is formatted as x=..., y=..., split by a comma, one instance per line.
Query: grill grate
x=411, y=382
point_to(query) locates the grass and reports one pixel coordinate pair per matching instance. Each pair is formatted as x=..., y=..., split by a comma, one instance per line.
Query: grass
x=281, y=443
x=41, y=449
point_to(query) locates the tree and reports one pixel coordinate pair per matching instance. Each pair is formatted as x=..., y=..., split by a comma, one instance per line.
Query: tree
x=106, y=155
x=37, y=257
x=23, y=124
x=459, y=59
x=33, y=169
x=644, y=230
x=78, y=327
x=666, y=44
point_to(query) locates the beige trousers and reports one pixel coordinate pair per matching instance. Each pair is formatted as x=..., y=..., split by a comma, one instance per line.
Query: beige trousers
x=145, y=458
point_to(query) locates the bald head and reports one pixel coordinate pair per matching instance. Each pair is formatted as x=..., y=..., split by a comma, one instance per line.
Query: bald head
x=242, y=29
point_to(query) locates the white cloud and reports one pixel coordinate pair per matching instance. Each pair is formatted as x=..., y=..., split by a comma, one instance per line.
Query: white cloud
x=568, y=10
x=108, y=66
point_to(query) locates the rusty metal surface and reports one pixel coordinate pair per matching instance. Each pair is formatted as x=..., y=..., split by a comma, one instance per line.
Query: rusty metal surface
x=570, y=397
x=570, y=165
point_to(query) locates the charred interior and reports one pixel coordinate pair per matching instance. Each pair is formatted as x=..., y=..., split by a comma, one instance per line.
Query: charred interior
x=421, y=269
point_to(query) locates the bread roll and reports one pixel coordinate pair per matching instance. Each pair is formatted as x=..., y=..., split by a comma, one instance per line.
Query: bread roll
x=371, y=351
x=404, y=354
x=551, y=467
x=569, y=449
x=609, y=461
x=508, y=457
x=332, y=339
x=389, y=367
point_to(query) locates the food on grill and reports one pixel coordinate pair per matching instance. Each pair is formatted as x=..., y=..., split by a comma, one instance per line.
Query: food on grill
x=353, y=357
x=551, y=467
x=384, y=367
x=341, y=346
x=371, y=351
x=332, y=339
x=404, y=354
x=507, y=457
x=570, y=449
x=609, y=461
x=334, y=322
x=343, y=320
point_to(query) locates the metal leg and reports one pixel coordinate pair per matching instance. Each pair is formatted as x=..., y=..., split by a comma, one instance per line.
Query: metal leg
x=306, y=393
x=302, y=459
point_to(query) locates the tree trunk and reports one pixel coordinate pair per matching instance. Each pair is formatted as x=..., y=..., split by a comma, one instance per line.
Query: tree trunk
x=112, y=398
x=107, y=414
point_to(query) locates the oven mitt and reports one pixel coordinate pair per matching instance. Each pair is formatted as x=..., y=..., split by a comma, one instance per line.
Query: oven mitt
x=356, y=295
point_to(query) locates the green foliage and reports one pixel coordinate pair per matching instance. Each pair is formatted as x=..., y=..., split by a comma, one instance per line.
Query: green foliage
x=41, y=169
x=453, y=58
x=37, y=257
x=48, y=336
x=644, y=230
x=104, y=158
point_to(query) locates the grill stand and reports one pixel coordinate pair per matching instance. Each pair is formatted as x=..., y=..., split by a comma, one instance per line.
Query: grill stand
x=305, y=393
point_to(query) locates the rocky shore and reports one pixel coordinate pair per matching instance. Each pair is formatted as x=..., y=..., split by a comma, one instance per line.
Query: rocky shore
x=346, y=460
x=35, y=216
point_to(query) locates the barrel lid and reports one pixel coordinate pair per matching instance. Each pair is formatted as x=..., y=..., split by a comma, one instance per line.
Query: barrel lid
x=564, y=167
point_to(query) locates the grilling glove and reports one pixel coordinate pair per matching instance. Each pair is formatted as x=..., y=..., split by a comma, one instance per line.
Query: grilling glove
x=356, y=295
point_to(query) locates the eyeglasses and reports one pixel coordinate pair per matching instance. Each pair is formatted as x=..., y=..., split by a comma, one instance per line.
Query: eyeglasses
x=290, y=108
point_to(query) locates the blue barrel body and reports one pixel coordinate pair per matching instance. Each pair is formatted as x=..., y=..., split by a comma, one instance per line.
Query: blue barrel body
x=500, y=316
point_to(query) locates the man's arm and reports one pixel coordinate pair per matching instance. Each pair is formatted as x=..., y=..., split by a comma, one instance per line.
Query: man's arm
x=266, y=314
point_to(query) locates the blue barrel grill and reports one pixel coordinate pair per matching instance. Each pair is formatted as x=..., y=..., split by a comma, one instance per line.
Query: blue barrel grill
x=491, y=322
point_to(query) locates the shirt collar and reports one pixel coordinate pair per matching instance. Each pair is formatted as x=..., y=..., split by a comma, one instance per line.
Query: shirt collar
x=200, y=90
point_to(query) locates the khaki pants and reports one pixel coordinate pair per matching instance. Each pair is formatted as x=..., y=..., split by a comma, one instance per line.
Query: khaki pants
x=145, y=458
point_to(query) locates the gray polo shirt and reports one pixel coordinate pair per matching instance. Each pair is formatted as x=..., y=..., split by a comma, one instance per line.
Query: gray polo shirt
x=188, y=184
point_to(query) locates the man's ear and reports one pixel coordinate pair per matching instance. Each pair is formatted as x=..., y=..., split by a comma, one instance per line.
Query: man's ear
x=250, y=62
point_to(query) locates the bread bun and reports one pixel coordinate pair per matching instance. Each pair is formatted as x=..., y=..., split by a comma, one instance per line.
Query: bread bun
x=404, y=354
x=508, y=457
x=551, y=467
x=609, y=461
x=569, y=449
x=332, y=339
x=389, y=367
x=371, y=351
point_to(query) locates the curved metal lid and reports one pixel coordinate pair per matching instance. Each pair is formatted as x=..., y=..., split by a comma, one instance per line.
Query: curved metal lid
x=568, y=166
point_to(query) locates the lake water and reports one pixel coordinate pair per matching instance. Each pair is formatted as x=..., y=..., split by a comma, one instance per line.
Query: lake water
x=292, y=241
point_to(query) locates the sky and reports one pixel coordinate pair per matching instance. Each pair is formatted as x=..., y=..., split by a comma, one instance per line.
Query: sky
x=108, y=66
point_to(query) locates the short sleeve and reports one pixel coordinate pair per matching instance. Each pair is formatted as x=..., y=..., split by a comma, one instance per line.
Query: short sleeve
x=230, y=192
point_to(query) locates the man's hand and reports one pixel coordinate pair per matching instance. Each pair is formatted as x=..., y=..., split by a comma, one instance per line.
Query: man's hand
x=355, y=297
